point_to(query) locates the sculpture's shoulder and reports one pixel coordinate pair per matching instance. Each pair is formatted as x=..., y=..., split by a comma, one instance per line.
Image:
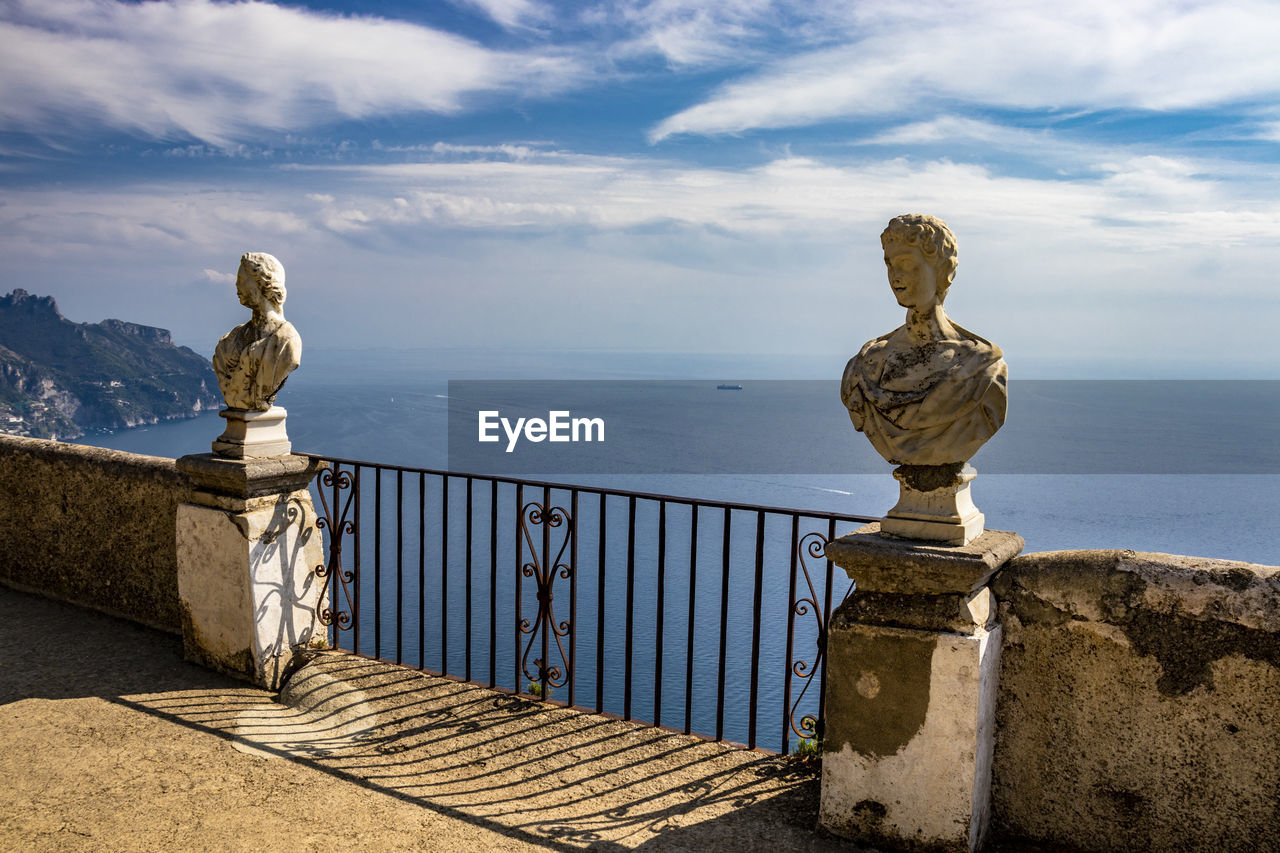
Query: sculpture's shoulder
x=288, y=336
x=229, y=345
x=860, y=369
x=284, y=349
x=874, y=350
x=985, y=371
x=232, y=337
x=977, y=346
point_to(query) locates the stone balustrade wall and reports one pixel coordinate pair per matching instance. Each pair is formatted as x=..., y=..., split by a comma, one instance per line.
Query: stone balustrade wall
x=1139, y=694
x=91, y=526
x=1139, y=703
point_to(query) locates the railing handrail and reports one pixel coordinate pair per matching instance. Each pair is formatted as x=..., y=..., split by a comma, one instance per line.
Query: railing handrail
x=825, y=515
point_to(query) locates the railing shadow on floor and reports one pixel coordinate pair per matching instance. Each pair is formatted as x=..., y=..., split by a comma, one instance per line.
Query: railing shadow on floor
x=550, y=777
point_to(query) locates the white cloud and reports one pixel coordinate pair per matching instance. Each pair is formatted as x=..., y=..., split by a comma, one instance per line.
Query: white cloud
x=1269, y=132
x=219, y=277
x=1163, y=202
x=515, y=151
x=1143, y=203
x=690, y=32
x=1135, y=204
x=645, y=251
x=221, y=72
x=510, y=14
x=949, y=128
x=1150, y=54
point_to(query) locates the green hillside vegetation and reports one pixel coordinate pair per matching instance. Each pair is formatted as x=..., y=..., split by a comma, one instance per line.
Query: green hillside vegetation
x=59, y=378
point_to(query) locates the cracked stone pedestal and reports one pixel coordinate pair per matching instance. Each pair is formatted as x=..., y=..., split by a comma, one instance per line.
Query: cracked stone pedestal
x=912, y=659
x=247, y=548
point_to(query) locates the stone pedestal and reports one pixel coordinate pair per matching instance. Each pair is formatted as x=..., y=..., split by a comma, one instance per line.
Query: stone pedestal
x=934, y=504
x=253, y=435
x=912, y=659
x=247, y=549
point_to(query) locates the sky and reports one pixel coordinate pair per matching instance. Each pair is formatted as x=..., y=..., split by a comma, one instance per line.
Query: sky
x=657, y=176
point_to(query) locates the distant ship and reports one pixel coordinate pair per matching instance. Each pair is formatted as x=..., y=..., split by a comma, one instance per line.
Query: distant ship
x=727, y=387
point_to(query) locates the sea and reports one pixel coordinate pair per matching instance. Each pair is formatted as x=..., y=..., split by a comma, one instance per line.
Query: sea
x=1181, y=467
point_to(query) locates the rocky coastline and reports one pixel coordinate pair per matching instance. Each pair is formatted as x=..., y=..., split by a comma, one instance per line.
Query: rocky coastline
x=60, y=379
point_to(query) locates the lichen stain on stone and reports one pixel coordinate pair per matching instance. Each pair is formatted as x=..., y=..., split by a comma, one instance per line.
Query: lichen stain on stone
x=869, y=812
x=883, y=723
x=1121, y=594
x=927, y=478
x=1235, y=579
x=1186, y=648
x=1033, y=609
x=196, y=650
x=1131, y=804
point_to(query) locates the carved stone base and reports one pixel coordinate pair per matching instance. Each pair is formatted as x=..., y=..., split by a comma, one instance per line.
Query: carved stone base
x=247, y=548
x=253, y=435
x=913, y=659
x=934, y=505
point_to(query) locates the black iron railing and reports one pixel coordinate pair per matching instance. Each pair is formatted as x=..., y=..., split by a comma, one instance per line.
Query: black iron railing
x=705, y=617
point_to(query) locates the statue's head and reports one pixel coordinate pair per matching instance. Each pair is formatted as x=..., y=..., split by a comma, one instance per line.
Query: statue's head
x=931, y=237
x=264, y=274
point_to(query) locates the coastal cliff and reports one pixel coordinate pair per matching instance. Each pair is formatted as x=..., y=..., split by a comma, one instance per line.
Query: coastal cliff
x=59, y=379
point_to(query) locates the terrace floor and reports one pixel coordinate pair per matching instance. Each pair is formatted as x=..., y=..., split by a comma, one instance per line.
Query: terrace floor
x=109, y=741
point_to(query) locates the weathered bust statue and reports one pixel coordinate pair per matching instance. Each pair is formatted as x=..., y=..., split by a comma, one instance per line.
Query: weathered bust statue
x=929, y=393
x=254, y=359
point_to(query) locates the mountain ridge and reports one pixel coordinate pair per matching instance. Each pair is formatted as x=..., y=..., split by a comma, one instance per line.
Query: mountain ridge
x=59, y=379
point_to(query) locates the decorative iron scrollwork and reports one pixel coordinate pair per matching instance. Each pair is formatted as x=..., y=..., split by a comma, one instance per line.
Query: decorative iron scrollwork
x=336, y=481
x=544, y=571
x=813, y=545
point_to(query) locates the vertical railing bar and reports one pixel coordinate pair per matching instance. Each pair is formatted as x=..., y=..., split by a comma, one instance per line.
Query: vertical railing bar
x=444, y=574
x=693, y=588
x=422, y=570
x=724, y=621
x=631, y=598
x=600, y=562
x=573, y=594
x=519, y=573
x=399, y=565
x=544, y=607
x=755, y=632
x=657, y=635
x=493, y=582
x=377, y=563
x=355, y=617
x=468, y=570
x=791, y=626
x=826, y=621
x=335, y=546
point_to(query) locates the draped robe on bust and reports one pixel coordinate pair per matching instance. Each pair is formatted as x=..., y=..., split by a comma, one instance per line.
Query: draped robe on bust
x=939, y=412
x=252, y=366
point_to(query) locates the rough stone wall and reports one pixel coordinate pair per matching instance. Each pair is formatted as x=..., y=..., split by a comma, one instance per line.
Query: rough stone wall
x=1139, y=703
x=91, y=526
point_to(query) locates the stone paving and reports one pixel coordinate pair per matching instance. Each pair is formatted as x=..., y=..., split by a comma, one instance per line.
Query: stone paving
x=109, y=741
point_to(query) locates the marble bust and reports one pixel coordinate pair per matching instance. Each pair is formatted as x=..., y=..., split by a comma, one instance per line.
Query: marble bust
x=930, y=393
x=254, y=359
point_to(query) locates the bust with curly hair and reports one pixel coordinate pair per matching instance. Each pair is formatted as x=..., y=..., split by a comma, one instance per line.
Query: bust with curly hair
x=930, y=393
x=254, y=359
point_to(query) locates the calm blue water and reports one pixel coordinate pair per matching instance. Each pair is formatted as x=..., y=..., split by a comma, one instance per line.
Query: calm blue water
x=389, y=407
